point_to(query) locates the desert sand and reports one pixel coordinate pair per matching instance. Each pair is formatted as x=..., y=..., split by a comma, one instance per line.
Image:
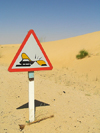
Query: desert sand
x=71, y=89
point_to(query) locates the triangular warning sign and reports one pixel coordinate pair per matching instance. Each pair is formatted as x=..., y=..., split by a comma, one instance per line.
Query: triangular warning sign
x=30, y=56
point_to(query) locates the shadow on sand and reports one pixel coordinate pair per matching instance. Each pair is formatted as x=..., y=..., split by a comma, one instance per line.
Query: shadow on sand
x=37, y=104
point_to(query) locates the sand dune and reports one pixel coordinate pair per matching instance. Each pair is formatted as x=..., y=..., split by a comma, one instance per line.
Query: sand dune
x=72, y=88
x=64, y=51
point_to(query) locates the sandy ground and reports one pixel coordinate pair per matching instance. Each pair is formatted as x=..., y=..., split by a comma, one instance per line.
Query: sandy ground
x=72, y=89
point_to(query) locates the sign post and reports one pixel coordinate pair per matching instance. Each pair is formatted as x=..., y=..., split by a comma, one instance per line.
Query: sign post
x=31, y=97
x=30, y=57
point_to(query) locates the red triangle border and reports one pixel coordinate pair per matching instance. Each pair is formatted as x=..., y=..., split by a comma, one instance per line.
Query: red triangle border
x=19, y=51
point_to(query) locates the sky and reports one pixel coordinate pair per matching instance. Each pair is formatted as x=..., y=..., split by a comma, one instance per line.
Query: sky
x=50, y=19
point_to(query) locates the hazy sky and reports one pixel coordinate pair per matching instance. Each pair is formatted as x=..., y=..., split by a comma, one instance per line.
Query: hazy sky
x=50, y=19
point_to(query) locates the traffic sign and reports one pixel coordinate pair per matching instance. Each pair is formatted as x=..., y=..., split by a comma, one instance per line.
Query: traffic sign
x=30, y=56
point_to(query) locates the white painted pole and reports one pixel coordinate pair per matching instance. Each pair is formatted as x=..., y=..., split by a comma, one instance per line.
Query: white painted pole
x=31, y=97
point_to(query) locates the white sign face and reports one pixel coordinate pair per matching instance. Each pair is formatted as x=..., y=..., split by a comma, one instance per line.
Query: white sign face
x=30, y=56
